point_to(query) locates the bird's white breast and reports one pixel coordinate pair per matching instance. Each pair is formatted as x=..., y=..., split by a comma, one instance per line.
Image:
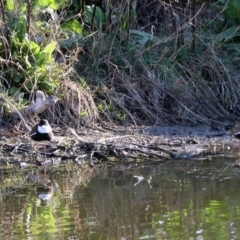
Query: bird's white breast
x=45, y=196
x=44, y=129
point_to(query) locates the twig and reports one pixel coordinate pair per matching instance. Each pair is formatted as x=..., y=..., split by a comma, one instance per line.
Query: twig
x=19, y=114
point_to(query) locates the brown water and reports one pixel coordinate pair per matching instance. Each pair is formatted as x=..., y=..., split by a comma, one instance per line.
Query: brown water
x=181, y=199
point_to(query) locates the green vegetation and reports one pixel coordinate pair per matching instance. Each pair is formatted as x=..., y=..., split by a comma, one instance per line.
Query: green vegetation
x=124, y=61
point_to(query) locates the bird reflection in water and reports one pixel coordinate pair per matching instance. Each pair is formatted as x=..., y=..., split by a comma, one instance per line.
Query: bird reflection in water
x=43, y=187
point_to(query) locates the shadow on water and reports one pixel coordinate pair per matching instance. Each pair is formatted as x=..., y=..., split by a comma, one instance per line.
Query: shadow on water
x=181, y=199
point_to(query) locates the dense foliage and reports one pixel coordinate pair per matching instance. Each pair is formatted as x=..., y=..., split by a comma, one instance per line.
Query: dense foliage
x=138, y=61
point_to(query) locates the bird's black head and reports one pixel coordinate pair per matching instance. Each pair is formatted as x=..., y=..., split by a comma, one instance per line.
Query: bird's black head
x=43, y=122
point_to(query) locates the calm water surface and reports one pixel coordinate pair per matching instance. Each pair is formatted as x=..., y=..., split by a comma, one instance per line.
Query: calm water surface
x=181, y=199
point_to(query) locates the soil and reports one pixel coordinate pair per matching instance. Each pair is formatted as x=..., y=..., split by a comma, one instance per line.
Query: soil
x=160, y=143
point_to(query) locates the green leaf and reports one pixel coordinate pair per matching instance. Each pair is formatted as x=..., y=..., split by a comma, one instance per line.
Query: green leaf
x=68, y=43
x=35, y=48
x=49, y=85
x=142, y=38
x=72, y=25
x=13, y=90
x=17, y=77
x=45, y=56
x=228, y=34
x=21, y=27
x=83, y=114
x=233, y=12
x=29, y=85
x=50, y=48
x=100, y=17
x=233, y=46
x=10, y=5
x=54, y=4
x=236, y=4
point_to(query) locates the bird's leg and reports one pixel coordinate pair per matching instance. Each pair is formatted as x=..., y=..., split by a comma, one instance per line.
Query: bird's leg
x=35, y=146
x=44, y=147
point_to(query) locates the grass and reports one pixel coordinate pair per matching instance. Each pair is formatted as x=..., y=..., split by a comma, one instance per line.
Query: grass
x=123, y=75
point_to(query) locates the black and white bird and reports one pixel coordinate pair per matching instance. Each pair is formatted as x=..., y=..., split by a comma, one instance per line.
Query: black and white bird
x=42, y=131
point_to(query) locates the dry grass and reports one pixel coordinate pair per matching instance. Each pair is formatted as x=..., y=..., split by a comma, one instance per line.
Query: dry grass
x=199, y=88
x=120, y=81
x=75, y=107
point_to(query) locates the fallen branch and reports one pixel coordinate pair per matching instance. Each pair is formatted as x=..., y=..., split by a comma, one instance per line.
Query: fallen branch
x=16, y=111
x=41, y=104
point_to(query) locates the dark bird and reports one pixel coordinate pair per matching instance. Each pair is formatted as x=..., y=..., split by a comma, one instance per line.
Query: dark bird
x=42, y=185
x=235, y=131
x=42, y=131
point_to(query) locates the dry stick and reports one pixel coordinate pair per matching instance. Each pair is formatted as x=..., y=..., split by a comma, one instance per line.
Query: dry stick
x=129, y=114
x=156, y=148
x=136, y=96
x=191, y=19
x=221, y=63
x=18, y=66
x=19, y=114
x=174, y=35
x=130, y=149
x=145, y=152
x=99, y=141
x=152, y=81
x=28, y=17
x=118, y=137
x=119, y=147
x=187, y=109
x=111, y=138
x=193, y=25
x=76, y=135
x=17, y=147
x=3, y=39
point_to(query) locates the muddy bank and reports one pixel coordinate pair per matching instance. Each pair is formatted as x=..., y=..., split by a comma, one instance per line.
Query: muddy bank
x=202, y=133
x=126, y=144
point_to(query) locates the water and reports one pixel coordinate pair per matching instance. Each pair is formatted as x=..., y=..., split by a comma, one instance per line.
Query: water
x=181, y=199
